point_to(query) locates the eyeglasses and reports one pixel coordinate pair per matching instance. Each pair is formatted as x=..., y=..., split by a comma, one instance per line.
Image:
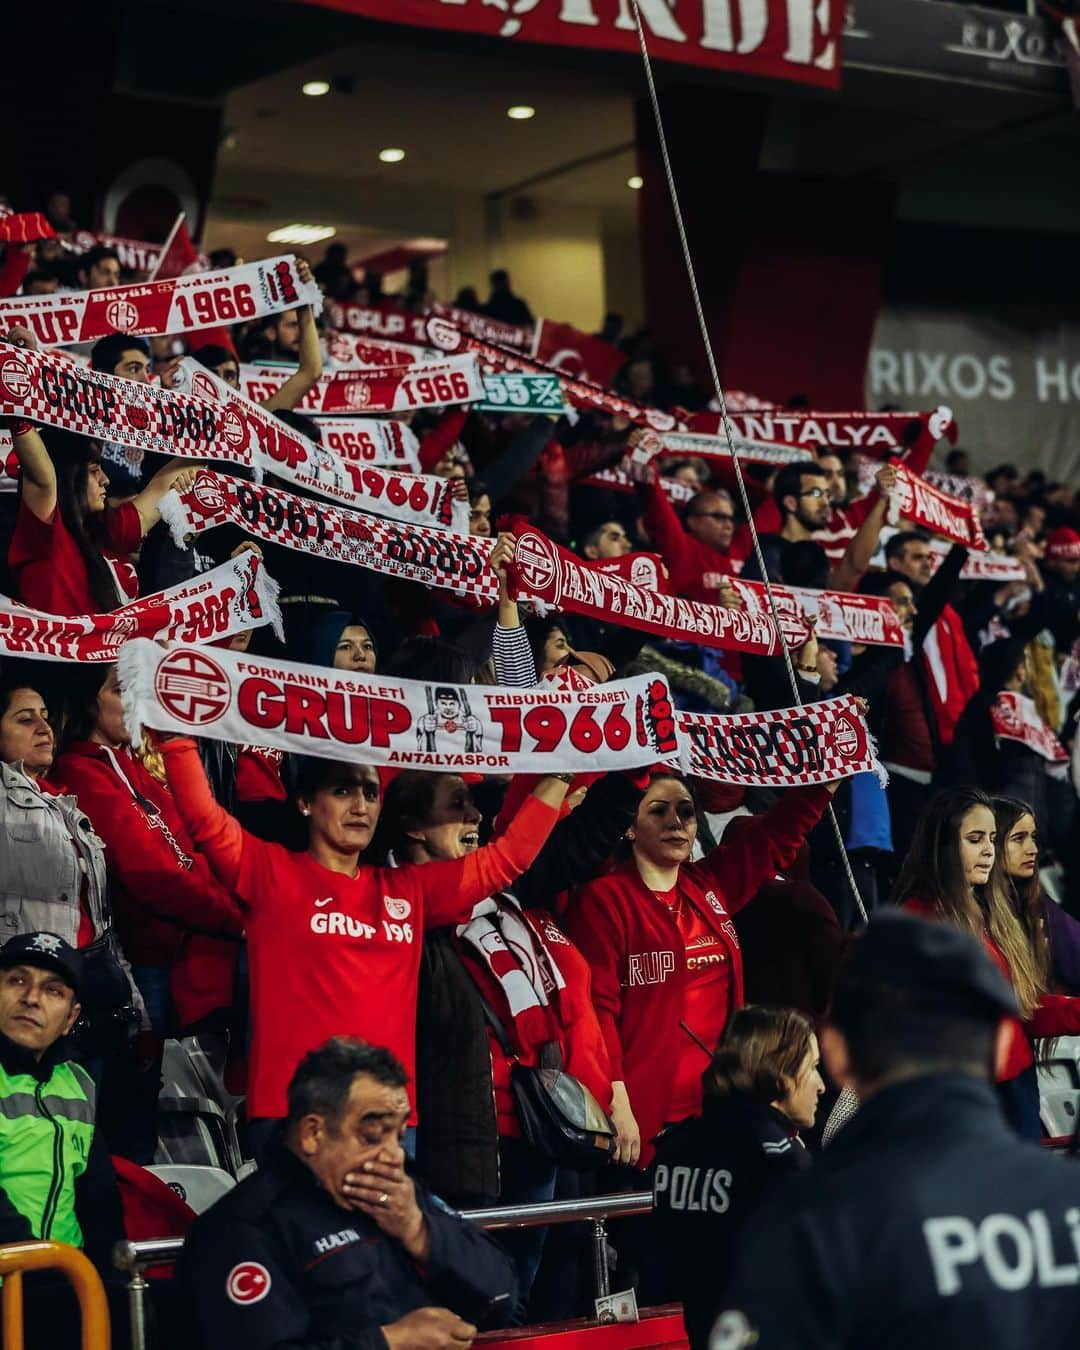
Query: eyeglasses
x=814, y=492
x=709, y=515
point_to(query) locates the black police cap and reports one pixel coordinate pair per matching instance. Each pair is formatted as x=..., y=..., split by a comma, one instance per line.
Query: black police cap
x=47, y=950
x=935, y=958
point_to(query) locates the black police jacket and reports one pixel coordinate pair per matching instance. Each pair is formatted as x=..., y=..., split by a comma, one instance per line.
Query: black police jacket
x=709, y=1174
x=276, y=1263
x=926, y=1223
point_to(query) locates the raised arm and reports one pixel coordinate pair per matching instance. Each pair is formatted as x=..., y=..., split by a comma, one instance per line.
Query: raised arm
x=148, y=501
x=311, y=363
x=769, y=844
x=846, y=575
x=38, y=471
x=227, y=848
x=452, y=889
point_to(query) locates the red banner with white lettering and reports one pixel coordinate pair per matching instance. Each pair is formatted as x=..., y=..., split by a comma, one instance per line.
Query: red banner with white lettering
x=554, y=578
x=152, y=308
x=233, y=598
x=574, y=353
x=427, y=384
x=774, y=39
x=876, y=434
x=915, y=500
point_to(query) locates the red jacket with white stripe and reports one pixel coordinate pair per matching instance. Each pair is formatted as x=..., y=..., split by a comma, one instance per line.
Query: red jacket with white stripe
x=633, y=944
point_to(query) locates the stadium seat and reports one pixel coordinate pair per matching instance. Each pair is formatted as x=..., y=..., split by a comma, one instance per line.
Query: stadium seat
x=199, y=1187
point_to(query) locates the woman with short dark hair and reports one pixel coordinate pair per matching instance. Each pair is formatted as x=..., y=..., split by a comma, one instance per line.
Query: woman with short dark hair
x=711, y=1171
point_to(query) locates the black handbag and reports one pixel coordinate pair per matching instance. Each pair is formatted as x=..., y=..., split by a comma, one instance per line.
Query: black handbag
x=557, y=1113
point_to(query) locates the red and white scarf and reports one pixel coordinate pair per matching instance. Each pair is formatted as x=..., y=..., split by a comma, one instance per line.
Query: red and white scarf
x=388, y=321
x=816, y=743
x=980, y=566
x=678, y=444
x=963, y=487
x=237, y=596
x=428, y=384
x=515, y=953
x=276, y=448
x=372, y=719
x=176, y=305
x=616, y=480
x=347, y=351
x=1015, y=717
x=47, y=387
x=875, y=434
x=452, y=562
x=371, y=440
x=135, y=254
x=553, y=578
x=844, y=616
x=580, y=393
x=914, y=499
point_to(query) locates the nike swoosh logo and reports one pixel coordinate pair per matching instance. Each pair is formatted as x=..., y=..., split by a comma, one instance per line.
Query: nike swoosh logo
x=326, y=900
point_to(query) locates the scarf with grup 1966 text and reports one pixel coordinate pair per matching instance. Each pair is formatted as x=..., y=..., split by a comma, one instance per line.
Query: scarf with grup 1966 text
x=154, y=308
x=233, y=598
x=450, y=562
x=277, y=448
x=380, y=389
x=376, y=719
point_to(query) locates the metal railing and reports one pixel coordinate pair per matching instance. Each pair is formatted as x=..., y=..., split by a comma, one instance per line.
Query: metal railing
x=16, y=1257
x=135, y=1257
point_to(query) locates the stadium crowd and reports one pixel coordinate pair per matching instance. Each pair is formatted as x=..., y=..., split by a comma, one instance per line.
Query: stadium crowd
x=671, y=944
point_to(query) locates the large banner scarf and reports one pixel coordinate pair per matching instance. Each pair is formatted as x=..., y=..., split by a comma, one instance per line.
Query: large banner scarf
x=375, y=321
x=555, y=579
x=915, y=500
x=379, y=441
x=278, y=449
x=349, y=352
x=875, y=434
x=816, y=743
x=46, y=387
x=450, y=562
x=428, y=384
x=237, y=596
x=1014, y=717
x=152, y=308
x=616, y=480
x=374, y=719
x=580, y=393
x=997, y=567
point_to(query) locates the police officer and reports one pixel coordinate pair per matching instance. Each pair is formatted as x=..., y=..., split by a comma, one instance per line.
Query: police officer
x=927, y=1223
x=711, y=1171
x=332, y=1243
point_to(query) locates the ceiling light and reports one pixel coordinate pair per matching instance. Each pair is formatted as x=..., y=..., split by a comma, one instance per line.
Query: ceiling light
x=315, y=88
x=636, y=182
x=301, y=234
x=520, y=112
x=391, y=155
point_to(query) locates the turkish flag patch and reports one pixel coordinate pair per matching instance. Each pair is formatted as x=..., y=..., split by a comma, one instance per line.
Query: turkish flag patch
x=249, y=1282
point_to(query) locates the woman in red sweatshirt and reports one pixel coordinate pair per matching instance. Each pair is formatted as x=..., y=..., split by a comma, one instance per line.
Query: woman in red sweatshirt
x=954, y=872
x=665, y=959
x=178, y=925
x=333, y=944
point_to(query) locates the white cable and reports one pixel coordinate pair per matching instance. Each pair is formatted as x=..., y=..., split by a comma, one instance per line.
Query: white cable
x=729, y=432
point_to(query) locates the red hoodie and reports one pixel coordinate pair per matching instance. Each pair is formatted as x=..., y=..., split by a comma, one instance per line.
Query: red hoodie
x=161, y=887
x=1056, y=1014
x=334, y=955
x=637, y=955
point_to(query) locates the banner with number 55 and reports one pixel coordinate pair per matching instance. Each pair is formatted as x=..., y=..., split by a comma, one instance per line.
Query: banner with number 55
x=428, y=384
x=178, y=305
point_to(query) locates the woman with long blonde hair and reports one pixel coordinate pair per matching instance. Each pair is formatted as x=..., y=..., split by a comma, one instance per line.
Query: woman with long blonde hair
x=953, y=872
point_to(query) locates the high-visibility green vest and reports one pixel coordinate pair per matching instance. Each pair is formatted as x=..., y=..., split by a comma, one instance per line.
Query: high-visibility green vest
x=46, y=1129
